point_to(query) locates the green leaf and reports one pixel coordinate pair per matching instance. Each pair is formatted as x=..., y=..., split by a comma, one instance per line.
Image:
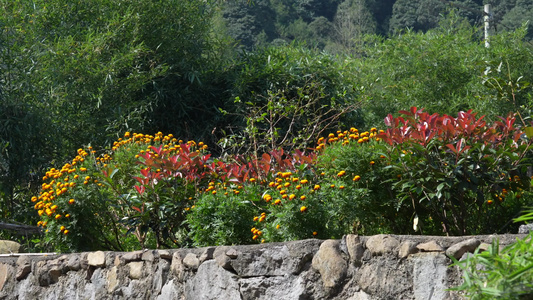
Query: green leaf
x=529, y=132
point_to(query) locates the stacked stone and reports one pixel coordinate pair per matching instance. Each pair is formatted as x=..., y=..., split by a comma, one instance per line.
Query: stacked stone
x=355, y=267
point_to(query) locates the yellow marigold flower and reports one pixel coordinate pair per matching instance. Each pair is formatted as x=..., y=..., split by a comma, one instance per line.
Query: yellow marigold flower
x=214, y=192
x=277, y=226
x=341, y=173
x=33, y=199
x=58, y=216
x=332, y=186
x=286, y=174
x=341, y=187
x=316, y=187
x=67, y=215
x=71, y=201
x=298, y=187
x=62, y=228
x=303, y=197
x=277, y=202
x=65, y=232
x=357, y=178
x=284, y=196
x=252, y=180
x=271, y=184
x=236, y=192
x=262, y=218
x=256, y=219
x=287, y=184
x=304, y=181
x=292, y=196
x=303, y=209
x=372, y=163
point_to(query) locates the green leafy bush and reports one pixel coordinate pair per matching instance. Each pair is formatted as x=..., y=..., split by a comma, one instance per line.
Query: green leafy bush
x=441, y=174
x=500, y=273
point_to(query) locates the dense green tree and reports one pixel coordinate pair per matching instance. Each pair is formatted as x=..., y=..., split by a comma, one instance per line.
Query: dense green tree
x=245, y=22
x=519, y=15
x=415, y=14
x=352, y=21
x=83, y=72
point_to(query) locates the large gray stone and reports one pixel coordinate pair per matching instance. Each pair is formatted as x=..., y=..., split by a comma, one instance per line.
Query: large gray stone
x=23, y=267
x=8, y=247
x=407, y=248
x=381, y=244
x=191, y=261
x=277, y=287
x=430, y=246
x=457, y=250
x=136, y=269
x=429, y=276
x=212, y=283
x=273, y=259
x=96, y=259
x=330, y=263
x=112, y=279
x=355, y=248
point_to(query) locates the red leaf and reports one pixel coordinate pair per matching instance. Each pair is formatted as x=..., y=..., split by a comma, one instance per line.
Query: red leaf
x=140, y=189
x=452, y=148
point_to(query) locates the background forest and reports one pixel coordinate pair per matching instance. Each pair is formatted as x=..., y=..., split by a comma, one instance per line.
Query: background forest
x=83, y=73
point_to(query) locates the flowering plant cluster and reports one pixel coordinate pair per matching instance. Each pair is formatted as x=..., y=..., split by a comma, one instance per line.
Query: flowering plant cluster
x=458, y=174
x=426, y=173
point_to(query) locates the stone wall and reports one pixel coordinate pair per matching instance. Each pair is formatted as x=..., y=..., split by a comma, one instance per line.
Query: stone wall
x=356, y=267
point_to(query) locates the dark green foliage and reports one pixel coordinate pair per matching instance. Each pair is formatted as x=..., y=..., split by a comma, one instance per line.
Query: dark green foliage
x=290, y=94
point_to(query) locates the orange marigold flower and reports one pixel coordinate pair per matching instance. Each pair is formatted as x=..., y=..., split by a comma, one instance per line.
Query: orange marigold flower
x=315, y=233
